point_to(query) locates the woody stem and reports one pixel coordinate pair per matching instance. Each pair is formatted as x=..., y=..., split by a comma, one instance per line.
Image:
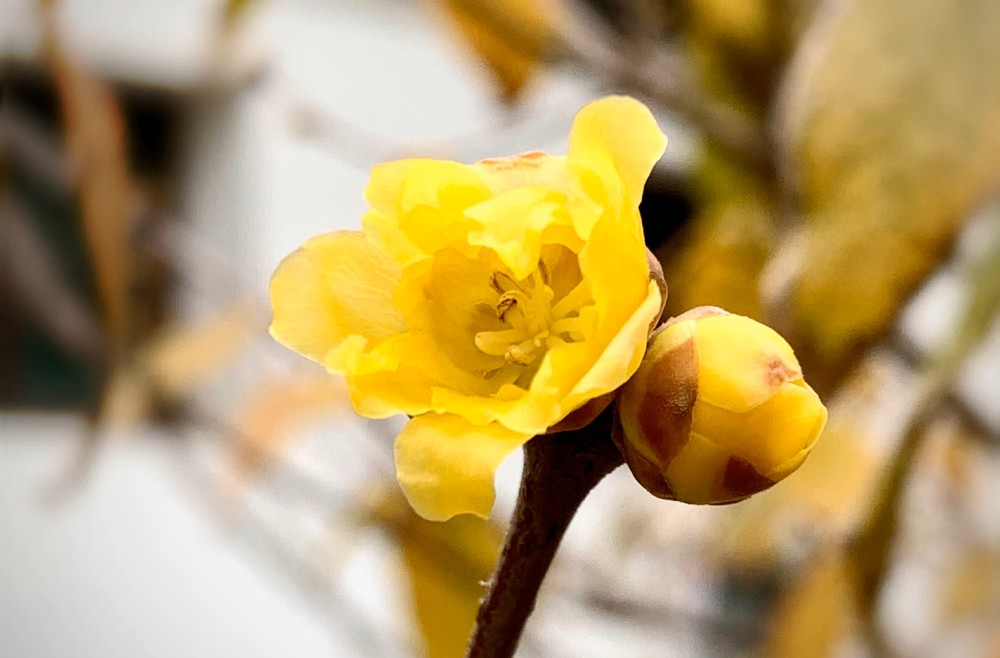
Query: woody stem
x=559, y=471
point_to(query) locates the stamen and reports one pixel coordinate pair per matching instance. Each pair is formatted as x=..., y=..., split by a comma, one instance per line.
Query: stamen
x=497, y=343
x=567, y=326
x=573, y=300
x=553, y=342
x=534, y=324
x=523, y=353
x=502, y=283
x=507, y=301
x=543, y=268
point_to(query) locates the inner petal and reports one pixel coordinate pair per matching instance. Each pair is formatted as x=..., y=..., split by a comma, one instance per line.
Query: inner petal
x=451, y=299
x=540, y=312
x=489, y=323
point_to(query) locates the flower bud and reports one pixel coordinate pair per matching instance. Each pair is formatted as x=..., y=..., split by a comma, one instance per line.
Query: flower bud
x=717, y=411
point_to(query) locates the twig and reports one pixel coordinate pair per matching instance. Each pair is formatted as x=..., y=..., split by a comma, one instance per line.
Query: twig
x=559, y=471
x=36, y=281
x=660, y=74
x=952, y=401
x=870, y=551
x=663, y=75
x=32, y=146
x=317, y=585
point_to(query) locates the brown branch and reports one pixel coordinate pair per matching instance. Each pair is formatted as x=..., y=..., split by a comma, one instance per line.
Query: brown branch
x=559, y=471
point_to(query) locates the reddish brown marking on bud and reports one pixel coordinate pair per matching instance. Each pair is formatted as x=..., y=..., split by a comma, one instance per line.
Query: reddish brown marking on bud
x=742, y=479
x=666, y=409
x=645, y=472
x=778, y=373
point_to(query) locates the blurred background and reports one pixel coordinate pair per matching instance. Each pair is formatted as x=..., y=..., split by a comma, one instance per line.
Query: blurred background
x=173, y=483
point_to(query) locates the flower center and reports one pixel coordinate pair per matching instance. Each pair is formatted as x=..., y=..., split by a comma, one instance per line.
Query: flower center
x=534, y=320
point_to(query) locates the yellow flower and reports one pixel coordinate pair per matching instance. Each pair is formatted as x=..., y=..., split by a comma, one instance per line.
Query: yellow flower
x=487, y=301
x=717, y=411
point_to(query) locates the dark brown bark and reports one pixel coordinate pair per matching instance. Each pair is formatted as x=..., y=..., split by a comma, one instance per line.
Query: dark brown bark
x=559, y=472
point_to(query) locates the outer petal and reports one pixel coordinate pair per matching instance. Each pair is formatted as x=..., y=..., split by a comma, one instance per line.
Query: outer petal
x=770, y=434
x=755, y=364
x=621, y=132
x=532, y=168
x=336, y=285
x=399, y=186
x=445, y=464
x=537, y=169
x=512, y=225
x=384, y=233
x=621, y=358
x=418, y=203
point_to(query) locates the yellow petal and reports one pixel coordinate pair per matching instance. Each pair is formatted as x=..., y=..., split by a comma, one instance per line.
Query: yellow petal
x=769, y=435
x=741, y=362
x=695, y=474
x=622, y=356
x=512, y=224
x=402, y=374
x=532, y=168
x=448, y=299
x=386, y=236
x=445, y=464
x=527, y=414
x=398, y=186
x=418, y=204
x=336, y=285
x=614, y=265
x=619, y=133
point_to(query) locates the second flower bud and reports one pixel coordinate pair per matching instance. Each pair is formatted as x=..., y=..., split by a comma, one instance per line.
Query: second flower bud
x=717, y=411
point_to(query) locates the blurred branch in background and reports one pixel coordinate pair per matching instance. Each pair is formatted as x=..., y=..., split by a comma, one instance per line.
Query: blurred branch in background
x=653, y=70
x=95, y=144
x=870, y=551
x=34, y=280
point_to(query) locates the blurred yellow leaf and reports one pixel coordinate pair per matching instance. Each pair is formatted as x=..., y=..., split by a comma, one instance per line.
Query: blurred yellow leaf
x=273, y=412
x=894, y=125
x=743, y=22
x=510, y=36
x=447, y=564
x=815, y=614
x=96, y=143
x=973, y=586
x=184, y=356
